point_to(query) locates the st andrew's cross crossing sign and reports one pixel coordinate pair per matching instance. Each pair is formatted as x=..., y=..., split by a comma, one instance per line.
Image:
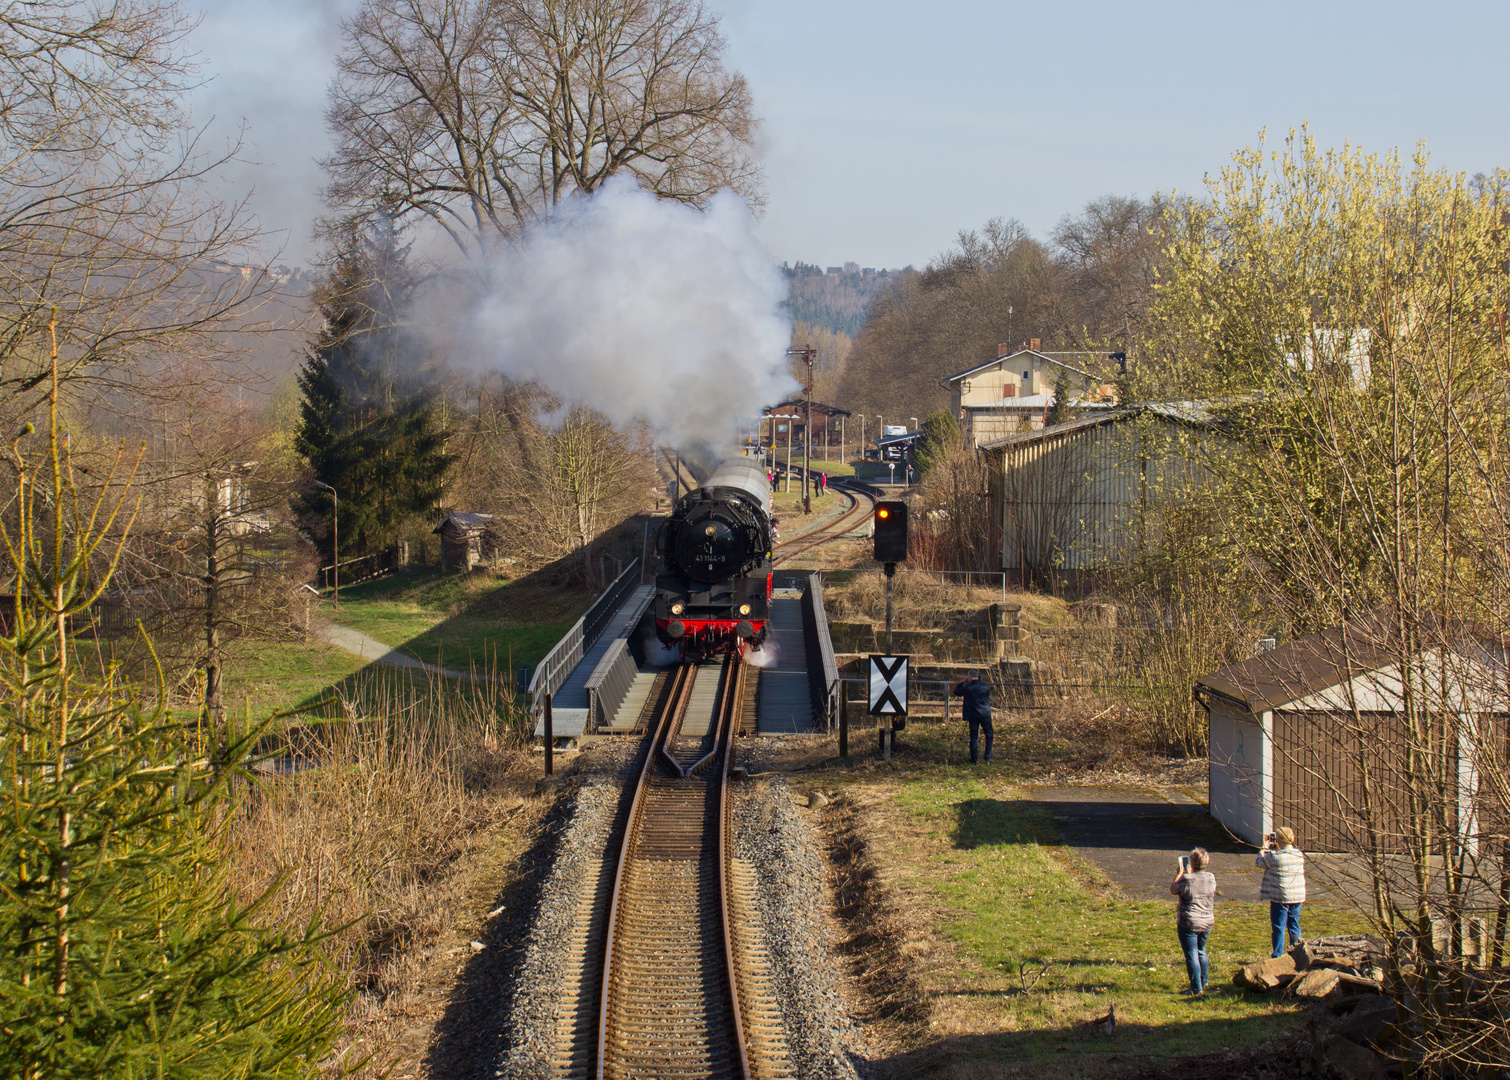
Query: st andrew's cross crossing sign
x=888, y=685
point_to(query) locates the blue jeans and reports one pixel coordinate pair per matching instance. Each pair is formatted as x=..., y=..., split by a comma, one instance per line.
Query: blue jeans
x=1196, y=963
x=1284, y=917
x=975, y=730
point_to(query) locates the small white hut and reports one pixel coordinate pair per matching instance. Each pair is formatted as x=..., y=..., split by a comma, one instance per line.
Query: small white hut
x=1314, y=734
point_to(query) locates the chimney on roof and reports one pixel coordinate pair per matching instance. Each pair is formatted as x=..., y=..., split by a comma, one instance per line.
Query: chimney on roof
x=1002, y=350
x=1034, y=343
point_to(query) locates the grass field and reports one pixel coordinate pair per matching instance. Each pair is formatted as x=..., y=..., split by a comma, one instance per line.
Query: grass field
x=263, y=676
x=461, y=621
x=467, y=622
x=964, y=853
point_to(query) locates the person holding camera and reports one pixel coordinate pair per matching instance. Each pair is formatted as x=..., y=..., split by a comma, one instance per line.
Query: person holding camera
x=1195, y=916
x=977, y=695
x=1284, y=885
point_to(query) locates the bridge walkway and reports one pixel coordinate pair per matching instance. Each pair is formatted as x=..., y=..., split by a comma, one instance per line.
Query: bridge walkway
x=601, y=684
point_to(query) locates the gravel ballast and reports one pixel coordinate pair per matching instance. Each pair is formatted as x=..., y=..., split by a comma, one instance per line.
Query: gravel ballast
x=771, y=836
x=529, y=1033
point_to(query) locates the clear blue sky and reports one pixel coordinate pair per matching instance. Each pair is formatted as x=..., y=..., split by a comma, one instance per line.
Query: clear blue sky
x=889, y=126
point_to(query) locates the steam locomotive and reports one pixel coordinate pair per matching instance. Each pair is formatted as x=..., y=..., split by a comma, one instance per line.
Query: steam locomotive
x=713, y=590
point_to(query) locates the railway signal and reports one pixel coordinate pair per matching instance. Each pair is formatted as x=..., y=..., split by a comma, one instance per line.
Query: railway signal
x=888, y=697
x=891, y=532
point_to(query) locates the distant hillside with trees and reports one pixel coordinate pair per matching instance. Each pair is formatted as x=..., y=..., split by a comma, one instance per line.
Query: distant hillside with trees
x=1088, y=286
x=836, y=299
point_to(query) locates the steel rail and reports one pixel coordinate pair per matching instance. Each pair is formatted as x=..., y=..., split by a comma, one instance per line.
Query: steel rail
x=676, y=706
x=834, y=530
x=730, y=693
x=733, y=707
x=816, y=529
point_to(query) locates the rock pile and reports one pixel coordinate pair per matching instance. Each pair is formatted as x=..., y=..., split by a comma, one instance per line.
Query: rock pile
x=1352, y=1021
x=1344, y=964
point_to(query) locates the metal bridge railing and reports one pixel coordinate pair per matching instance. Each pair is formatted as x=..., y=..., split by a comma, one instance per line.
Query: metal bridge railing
x=823, y=668
x=553, y=671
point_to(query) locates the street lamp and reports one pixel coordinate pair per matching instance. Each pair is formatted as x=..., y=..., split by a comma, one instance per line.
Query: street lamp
x=914, y=420
x=335, y=541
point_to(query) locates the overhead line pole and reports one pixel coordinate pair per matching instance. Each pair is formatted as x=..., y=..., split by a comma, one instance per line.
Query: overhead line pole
x=807, y=354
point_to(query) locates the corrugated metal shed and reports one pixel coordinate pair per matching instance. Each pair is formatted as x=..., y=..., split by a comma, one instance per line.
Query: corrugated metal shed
x=1078, y=495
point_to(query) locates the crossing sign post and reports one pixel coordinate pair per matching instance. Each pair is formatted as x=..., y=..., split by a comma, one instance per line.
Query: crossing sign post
x=888, y=696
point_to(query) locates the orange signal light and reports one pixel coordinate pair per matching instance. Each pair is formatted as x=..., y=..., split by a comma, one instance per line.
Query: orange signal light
x=883, y=513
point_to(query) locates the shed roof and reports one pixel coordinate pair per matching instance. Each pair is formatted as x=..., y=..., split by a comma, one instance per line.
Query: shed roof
x=465, y=522
x=1315, y=662
x=1058, y=430
x=1185, y=412
x=1026, y=401
x=794, y=404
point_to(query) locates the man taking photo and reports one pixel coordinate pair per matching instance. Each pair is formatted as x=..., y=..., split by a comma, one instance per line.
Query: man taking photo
x=977, y=695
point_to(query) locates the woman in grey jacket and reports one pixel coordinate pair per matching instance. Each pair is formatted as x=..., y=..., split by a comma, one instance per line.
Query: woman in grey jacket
x=1196, y=888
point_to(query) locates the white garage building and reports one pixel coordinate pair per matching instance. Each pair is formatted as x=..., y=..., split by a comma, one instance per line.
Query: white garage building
x=1313, y=734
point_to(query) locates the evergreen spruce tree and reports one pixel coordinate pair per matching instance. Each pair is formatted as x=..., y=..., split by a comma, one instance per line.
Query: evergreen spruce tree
x=940, y=438
x=126, y=953
x=1059, y=412
x=367, y=427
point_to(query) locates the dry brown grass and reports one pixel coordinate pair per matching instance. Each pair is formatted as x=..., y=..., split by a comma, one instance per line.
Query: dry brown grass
x=922, y=603
x=413, y=777
x=875, y=947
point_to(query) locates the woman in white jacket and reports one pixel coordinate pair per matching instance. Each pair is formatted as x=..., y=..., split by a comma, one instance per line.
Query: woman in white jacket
x=1284, y=885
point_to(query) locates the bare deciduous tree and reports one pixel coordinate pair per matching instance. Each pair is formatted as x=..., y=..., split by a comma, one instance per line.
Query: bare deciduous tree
x=102, y=211
x=480, y=116
x=1347, y=311
x=554, y=486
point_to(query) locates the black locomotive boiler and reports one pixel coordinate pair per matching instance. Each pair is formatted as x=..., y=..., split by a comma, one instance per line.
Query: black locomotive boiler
x=713, y=591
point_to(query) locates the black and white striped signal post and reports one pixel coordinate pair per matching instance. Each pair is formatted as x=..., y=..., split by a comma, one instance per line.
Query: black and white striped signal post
x=888, y=697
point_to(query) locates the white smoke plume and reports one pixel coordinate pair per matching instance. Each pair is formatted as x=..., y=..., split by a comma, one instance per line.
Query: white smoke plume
x=645, y=309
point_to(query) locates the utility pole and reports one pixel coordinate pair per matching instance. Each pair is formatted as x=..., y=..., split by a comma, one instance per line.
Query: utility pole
x=789, y=426
x=335, y=540
x=807, y=354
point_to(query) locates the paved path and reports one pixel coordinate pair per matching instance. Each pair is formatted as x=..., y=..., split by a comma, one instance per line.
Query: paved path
x=370, y=648
x=1135, y=836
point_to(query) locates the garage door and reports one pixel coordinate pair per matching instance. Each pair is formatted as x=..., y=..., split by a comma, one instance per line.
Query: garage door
x=1319, y=779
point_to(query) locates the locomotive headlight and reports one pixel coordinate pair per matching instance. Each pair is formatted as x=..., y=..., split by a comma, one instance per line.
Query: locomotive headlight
x=711, y=530
x=744, y=609
x=676, y=609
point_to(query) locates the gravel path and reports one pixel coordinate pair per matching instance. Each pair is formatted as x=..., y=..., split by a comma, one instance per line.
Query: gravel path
x=370, y=648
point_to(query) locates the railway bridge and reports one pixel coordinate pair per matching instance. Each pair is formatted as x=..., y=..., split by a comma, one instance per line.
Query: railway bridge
x=608, y=674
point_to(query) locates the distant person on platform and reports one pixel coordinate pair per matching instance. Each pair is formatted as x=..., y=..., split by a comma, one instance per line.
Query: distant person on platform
x=1195, y=916
x=1284, y=885
x=977, y=695
x=823, y=483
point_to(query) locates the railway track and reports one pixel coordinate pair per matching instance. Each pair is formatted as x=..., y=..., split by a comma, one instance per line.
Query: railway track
x=670, y=975
x=861, y=503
